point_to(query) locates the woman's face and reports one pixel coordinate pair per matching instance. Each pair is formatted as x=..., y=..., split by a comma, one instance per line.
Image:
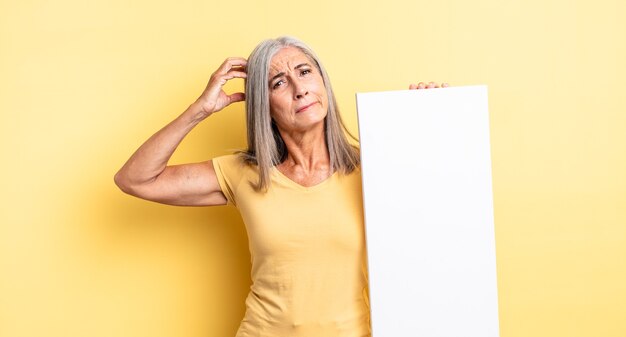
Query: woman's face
x=298, y=100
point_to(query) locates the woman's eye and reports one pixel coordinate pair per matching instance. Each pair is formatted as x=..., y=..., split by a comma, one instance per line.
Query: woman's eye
x=305, y=71
x=278, y=84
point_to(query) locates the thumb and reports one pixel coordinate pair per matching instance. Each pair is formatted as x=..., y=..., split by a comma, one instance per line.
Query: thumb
x=237, y=97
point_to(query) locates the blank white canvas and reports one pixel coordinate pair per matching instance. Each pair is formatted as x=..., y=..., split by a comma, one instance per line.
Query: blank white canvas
x=428, y=202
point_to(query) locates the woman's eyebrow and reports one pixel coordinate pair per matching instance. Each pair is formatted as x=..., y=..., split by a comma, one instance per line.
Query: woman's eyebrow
x=282, y=73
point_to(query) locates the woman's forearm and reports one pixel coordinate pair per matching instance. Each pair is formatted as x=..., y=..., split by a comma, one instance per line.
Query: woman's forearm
x=151, y=158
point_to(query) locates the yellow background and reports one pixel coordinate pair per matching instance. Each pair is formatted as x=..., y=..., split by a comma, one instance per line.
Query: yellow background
x=83, y=83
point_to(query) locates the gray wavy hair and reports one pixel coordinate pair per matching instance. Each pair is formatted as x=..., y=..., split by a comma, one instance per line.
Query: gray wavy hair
x=266, y=147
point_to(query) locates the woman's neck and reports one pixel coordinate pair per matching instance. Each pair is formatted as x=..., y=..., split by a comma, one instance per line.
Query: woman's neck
x=308, y=160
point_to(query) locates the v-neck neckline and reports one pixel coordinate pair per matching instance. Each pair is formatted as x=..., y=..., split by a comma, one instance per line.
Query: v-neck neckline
x=292, y=183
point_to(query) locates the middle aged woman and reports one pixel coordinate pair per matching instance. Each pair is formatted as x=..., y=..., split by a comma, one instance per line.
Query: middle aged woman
x=297, y=187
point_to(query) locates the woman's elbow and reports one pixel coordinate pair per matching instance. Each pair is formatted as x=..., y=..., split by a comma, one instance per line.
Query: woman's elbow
x=122, y=183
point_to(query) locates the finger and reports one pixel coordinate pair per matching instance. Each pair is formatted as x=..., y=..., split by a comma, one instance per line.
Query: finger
x=237, y=97
x=218, y=81
x=234, y=74
x=412, y=86
x=230, y=63
x=436, y=85
x=421, y=85
x=444, y=85
x=431, y=85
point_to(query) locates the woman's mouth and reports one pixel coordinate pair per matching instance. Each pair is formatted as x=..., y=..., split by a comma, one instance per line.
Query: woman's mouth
x=305, y=107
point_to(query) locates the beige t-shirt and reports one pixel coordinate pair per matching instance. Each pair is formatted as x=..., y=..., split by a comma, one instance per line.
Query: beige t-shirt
x=309, y=275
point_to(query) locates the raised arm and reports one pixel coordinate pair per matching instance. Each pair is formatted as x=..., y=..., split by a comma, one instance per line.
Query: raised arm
x=146, y=174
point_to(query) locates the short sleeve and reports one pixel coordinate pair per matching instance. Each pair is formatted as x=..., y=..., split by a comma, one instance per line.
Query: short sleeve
x=228, y=172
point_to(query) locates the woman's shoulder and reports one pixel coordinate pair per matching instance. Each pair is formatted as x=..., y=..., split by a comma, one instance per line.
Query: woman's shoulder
x=228, y=159
x=235, y=163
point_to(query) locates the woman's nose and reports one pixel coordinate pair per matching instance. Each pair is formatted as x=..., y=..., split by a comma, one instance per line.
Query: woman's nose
x=300, y=90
